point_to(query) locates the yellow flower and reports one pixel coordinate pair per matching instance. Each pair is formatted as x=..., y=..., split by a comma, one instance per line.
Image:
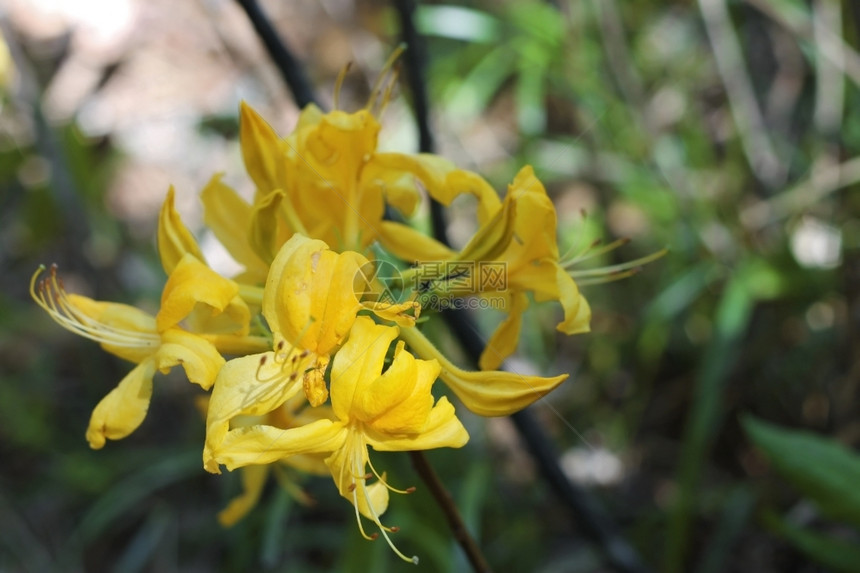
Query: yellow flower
x=390, y=411
x=532, y=265
x=154, y=343
x=310, y=305
x=518, y=237
x=327, y=180
x=311, y=301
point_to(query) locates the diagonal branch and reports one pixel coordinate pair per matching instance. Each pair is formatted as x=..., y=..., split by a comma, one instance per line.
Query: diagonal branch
x=292, y=72
x=415, y=59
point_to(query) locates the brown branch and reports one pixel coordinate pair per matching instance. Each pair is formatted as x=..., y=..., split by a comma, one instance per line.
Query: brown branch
x=446, y=503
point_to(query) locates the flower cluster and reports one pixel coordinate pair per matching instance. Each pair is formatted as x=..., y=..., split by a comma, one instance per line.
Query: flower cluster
x=311, y=355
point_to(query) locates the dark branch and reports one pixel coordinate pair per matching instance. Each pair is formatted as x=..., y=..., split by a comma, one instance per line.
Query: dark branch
x=449, y=508
x=290, y=69
x=415, y=60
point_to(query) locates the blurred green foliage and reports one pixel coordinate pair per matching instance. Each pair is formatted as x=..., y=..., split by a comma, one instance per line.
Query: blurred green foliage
x=624, y=112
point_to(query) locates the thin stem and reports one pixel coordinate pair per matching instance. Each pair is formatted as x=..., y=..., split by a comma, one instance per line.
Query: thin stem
x=449, y=508
x=290, y=69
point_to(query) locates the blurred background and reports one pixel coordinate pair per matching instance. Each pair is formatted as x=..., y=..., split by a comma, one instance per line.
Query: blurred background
x=713, y=410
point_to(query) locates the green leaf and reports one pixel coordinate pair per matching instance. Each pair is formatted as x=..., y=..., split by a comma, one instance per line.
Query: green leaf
x=832, y=553
x=821, y=468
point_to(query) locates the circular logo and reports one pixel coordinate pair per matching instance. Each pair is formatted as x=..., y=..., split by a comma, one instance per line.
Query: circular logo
x=378, y=281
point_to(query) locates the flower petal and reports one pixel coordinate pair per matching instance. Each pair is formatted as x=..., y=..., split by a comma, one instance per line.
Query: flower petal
x=174, y=238
x=229, y=217
x=309, y=298
x=399, y=401
x=358, y=362
x=577, y=312
x=267, y=444
x=491, y=393
x=396, y=173
x=410, y=244
x=504, y=341
x=261, y=148
x=442, y=430
x=120, y=412
x=269, y=229
x=192, y=283
x=199, y=357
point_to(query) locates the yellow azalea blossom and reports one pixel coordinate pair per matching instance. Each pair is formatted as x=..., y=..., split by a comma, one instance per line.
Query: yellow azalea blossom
x=334, y=183
x=528, y=256
x=311, y=301
x=154, y=343
x=389, y=411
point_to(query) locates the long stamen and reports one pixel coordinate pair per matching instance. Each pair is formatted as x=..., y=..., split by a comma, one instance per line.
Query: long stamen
x=610, y=278
x=625, y=266
x=339, y=84
x=353, y=488
x=590, y=252
x=50, y=294
x=383, y=77
x=385, y=483
x=385, y=530
x=386, y=95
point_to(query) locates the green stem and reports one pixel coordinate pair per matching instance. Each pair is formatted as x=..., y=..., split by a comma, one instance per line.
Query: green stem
x=452, y=514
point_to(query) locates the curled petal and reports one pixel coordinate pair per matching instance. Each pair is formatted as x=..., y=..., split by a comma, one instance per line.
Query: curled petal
x=193, y=283
x=497, y=393
x=442, y=429
x=577, y=313
x=396, y=174
x=492, y=393
x=504, y=341
x=358, y=363
x=399, y=401
x=199, y=357
x=120, y=412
